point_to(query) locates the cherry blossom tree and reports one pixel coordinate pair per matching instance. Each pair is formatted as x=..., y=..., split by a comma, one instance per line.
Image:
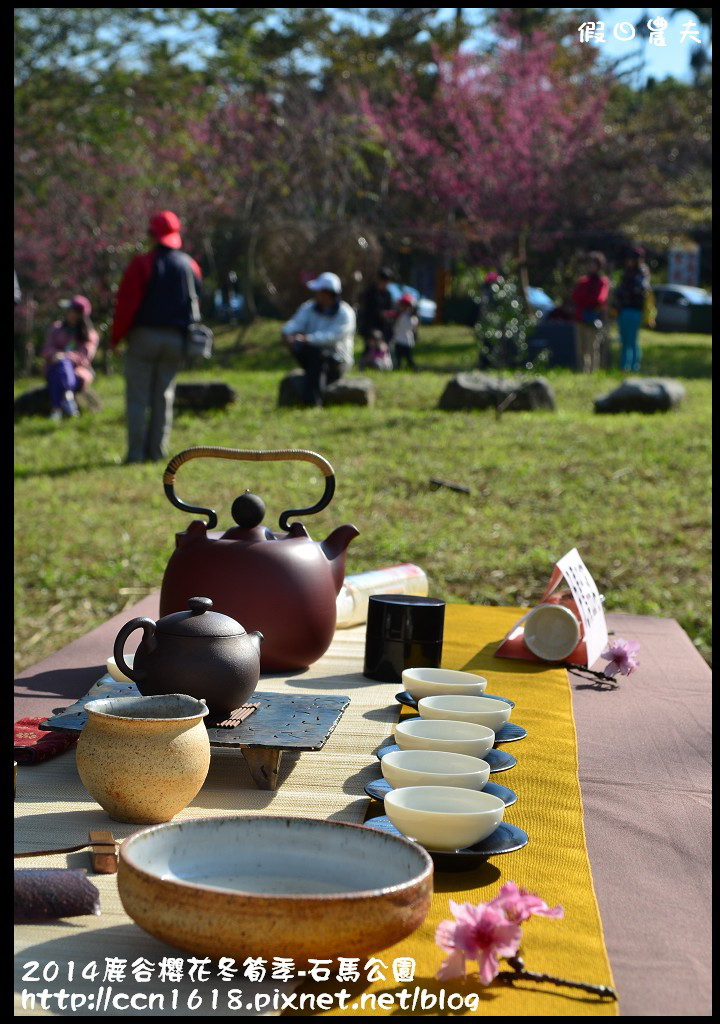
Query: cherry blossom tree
x=491, y=152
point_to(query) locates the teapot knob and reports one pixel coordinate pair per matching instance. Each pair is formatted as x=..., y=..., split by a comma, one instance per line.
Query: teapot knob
x=200, y=604
x=248, y=510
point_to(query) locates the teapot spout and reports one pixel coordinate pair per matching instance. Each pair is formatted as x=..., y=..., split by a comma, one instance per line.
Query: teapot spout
x=257, y=638
x=335, y=550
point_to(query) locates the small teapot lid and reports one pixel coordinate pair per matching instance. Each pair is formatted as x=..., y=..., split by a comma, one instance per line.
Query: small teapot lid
x=199, y=621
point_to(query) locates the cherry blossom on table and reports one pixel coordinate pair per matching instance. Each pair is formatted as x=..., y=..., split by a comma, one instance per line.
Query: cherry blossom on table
x=519, y=904
x=481, y=933
x=621, y=656
x=488, y=931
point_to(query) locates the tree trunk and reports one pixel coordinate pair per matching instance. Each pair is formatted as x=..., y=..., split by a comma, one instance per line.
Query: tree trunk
x=29, y=343
x=248, y=290
x=522, y=269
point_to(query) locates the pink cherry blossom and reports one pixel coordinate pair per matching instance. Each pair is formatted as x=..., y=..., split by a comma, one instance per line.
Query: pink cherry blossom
x=519, y=904
x=481, y=933
x=621, y=656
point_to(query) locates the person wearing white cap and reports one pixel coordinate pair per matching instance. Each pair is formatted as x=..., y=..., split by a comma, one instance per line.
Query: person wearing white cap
x=321, y=336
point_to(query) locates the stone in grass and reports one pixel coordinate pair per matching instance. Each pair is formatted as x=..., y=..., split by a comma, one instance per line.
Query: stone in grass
x=350, y=391
x=477, y=390
x=346, y=391
x=206, y=395
x=642, y=394
x=291, y=389
x=37, y=402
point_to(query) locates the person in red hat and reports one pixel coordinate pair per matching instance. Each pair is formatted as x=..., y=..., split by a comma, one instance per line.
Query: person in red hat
x=152, y=313
x=68, y=353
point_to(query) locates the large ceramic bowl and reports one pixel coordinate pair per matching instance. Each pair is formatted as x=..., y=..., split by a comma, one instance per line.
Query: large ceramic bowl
x=457, y=737
x=480, y=710
x=434, y=768
x=265, y=887
x=431, y=682
x=444, y=818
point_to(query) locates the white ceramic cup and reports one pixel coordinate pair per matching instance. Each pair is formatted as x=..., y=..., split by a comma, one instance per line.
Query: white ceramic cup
x=457, y=708
x=434, y=768
x=116, y=672
x=552, y=632
x=431, y=682
x=443, y=818
x=457, y=737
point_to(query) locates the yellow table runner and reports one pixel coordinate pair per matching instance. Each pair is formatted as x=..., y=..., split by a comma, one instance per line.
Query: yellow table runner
x=554, y=864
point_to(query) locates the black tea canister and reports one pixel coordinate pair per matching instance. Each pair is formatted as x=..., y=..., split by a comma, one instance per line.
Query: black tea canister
x=403, y=631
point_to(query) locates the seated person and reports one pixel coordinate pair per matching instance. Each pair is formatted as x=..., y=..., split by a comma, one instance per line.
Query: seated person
x=321, y=336
x=377, y=354
x=68, y=352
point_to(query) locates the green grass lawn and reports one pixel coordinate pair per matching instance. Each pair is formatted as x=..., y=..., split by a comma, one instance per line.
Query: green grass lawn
x=631, y=492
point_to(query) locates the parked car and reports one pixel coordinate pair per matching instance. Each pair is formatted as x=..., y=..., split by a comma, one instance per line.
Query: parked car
x=681, y=307
x=539, y=300
x=426, y=308
x=228, y=311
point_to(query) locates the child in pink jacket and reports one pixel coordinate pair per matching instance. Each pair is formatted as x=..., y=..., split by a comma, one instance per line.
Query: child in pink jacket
x=68, y=352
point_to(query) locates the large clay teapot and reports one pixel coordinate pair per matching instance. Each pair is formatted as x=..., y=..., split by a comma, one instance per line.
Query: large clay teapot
x=283, y=584
x=196, y=652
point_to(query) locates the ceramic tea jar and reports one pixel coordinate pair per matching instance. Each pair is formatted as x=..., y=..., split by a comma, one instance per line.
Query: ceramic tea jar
x=144, y=758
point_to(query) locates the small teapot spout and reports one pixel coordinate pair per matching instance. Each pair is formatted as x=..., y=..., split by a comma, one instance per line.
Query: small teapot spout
x=257, y=638
x=335, y=548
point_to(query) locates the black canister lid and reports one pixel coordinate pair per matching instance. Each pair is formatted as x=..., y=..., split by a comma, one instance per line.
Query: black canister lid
x=406, y=617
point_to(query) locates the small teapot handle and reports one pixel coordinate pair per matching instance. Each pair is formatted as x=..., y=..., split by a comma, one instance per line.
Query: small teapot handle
x=288, y=454
x=148, y=628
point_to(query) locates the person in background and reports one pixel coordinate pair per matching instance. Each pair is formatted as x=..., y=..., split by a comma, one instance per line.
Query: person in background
x=629, y=300
x=405, y=332
x=18, y=293
x=153, y=312
x=589, y=298
x=68, y=353
x=376, y=311
x=321, y=335
x=377, y=354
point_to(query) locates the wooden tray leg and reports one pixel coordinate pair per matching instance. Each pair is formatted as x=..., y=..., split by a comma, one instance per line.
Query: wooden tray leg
x=264, y=765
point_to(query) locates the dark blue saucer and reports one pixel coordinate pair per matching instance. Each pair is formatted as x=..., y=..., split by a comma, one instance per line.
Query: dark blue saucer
x=499, y=760
x=379, y=787
x=505, y=839
x=510, y=732
x=411, y=702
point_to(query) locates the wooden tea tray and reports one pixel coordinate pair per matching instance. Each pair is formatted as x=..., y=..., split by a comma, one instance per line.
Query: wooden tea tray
x=280, y=723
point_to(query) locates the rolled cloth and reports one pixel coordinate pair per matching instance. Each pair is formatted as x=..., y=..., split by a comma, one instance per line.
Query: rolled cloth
x=45, y=893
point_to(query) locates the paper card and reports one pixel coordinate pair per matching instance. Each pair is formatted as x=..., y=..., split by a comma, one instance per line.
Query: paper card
x=585, y=593
x=589, y=609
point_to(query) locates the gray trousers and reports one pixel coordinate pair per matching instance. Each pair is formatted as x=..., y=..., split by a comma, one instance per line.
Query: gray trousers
x=587, y=348
x=152, y=359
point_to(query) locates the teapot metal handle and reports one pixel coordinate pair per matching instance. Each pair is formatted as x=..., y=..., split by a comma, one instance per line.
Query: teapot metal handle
x=244, y=454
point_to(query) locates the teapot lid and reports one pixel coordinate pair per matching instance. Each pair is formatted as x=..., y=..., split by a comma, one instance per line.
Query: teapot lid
x=200, y=621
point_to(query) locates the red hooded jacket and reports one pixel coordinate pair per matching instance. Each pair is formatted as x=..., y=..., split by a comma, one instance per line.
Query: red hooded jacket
x=132, y=291
x=590, y=292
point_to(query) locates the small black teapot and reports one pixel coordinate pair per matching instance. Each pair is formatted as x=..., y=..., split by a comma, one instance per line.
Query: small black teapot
x=198, y=652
